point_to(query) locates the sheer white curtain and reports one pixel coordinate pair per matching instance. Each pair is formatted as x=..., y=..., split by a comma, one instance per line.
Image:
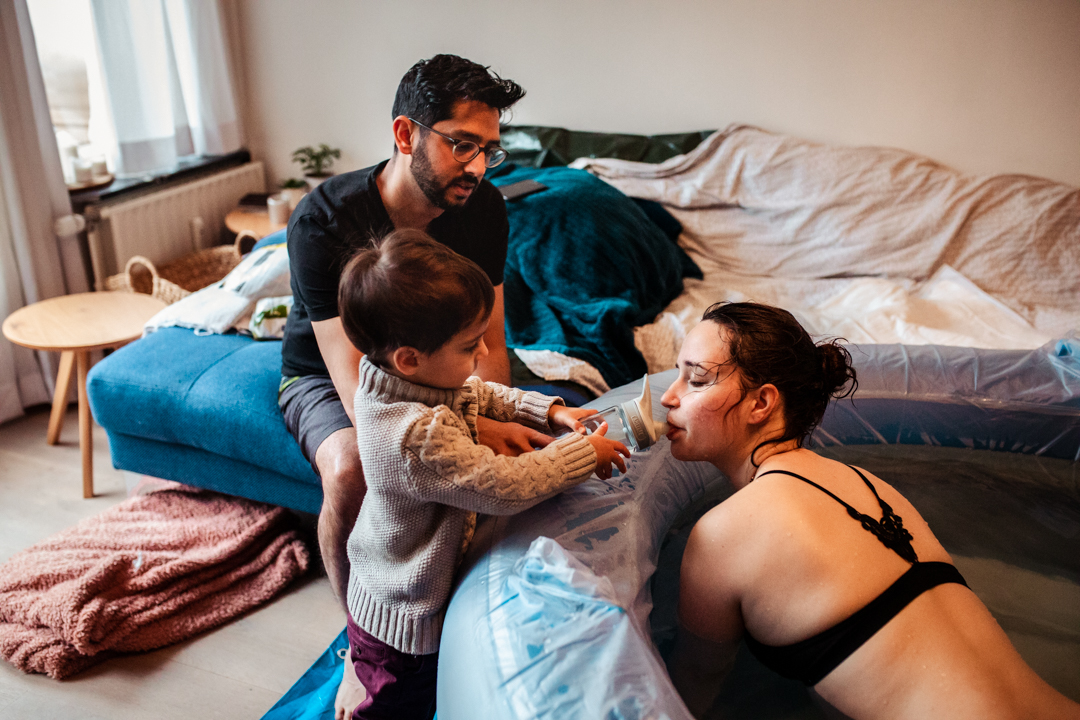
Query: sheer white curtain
x=166, y=79
x=34, y=262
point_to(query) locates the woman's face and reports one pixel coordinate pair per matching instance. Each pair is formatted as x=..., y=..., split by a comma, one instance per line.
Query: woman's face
x=701, y=403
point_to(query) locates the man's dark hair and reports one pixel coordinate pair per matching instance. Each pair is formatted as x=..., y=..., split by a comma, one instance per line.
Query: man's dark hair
x=410, y=290
x=430, y=88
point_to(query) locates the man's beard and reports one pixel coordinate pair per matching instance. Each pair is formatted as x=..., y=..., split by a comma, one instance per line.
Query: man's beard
x=435, y=192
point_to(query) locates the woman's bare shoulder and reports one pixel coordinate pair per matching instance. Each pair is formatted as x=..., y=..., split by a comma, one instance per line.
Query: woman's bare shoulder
x=737, y=537
x=809, y=507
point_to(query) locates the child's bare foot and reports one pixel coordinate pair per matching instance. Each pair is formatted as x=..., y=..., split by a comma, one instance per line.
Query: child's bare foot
x=350, y=692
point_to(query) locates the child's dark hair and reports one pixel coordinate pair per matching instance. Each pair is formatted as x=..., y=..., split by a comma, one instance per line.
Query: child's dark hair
x=410, y=290
x=428, y=91
x=769, y=346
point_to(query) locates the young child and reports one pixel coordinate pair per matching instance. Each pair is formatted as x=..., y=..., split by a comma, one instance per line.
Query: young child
x=419, y=311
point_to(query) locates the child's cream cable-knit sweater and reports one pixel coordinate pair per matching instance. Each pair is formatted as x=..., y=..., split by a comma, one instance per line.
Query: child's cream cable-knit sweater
x=426, y=478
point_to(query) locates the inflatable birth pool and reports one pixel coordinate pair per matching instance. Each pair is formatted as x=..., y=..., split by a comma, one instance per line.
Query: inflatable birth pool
x=565, y=610
x=568, y=609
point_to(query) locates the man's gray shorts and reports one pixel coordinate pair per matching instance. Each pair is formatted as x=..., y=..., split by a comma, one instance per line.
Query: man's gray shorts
x=312, y=411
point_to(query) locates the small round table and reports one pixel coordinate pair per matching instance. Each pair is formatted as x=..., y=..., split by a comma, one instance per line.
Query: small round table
x=75, y=325
x=256, y=222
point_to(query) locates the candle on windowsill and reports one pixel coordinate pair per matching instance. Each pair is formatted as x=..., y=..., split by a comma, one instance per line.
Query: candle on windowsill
x=83, y=171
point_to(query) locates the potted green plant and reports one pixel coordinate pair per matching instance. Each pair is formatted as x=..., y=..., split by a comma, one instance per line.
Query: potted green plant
x=294, y=189
x=316, y=162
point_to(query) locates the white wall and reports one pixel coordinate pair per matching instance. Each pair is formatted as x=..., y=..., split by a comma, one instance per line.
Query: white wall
x=987, y=86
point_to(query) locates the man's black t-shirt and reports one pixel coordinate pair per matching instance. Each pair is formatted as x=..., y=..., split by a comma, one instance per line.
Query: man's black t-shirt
x=341, y=216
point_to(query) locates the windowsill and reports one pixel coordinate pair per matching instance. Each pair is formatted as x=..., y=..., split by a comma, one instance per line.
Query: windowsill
x=186, y=169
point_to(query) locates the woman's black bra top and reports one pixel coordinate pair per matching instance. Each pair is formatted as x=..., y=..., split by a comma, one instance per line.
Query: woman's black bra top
x=810, y=660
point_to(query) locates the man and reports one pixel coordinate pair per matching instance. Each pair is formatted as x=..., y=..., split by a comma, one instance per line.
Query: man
x=446, y=135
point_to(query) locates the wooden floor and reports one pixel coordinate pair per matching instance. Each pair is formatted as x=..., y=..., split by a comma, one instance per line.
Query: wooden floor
x=237, y=671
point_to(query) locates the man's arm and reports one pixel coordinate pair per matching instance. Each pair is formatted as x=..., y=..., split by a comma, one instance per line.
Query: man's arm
x=342, y=360
x=496, y=366
x=504, y=438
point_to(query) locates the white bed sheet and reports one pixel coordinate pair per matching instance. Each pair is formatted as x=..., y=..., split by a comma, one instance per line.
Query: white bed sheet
x=947, y=309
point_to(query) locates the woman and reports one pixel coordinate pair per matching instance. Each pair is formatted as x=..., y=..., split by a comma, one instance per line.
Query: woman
x=829, y=574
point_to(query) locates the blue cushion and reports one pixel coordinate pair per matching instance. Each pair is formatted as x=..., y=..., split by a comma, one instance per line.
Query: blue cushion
x=214, y=393
x=194, y=466
x=277, y=237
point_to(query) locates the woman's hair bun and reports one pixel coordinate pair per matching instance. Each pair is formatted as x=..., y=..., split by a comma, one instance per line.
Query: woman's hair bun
x=836, y=369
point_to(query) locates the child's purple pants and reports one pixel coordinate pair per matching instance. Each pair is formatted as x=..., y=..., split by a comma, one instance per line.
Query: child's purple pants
x=399, y=686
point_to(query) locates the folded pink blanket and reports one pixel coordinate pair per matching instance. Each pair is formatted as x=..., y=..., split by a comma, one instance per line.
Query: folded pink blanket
x=152, y=571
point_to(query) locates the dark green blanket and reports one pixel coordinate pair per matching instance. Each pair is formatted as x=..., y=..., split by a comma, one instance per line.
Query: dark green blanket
x=585, y=266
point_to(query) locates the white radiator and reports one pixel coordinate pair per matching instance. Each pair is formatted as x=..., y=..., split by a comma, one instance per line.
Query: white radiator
x=165, y=224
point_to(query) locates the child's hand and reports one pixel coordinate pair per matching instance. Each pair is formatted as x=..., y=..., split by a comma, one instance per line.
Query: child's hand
x=560, y=416
x=607, y=452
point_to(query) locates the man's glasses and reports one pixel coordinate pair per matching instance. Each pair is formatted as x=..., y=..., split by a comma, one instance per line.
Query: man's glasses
x=465, y=150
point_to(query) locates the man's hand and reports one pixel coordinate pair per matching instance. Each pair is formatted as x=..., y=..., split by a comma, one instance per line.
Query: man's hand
x=511, y=438
x=560, y=416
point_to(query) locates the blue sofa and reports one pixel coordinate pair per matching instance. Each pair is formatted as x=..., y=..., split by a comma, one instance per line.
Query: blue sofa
x=210, y=420
x=203, y=409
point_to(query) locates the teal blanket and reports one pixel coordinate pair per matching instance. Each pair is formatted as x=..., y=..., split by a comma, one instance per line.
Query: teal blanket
x=585, y=266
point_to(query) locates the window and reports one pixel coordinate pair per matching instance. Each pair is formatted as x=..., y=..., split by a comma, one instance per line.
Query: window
x=67, y=52
x=140, y=87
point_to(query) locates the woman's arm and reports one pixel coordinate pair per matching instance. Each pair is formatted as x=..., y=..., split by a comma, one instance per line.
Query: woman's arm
x=698, y=667
x=710, y=618
x=709, y=592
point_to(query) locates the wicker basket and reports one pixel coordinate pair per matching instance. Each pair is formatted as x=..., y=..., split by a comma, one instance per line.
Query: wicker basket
x=181, y=277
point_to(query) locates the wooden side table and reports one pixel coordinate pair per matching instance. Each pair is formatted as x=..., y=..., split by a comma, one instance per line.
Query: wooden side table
x=75, y=325
x=256, y=222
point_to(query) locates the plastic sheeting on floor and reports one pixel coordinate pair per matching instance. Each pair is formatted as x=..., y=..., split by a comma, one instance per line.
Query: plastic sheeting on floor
x=312, y=696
